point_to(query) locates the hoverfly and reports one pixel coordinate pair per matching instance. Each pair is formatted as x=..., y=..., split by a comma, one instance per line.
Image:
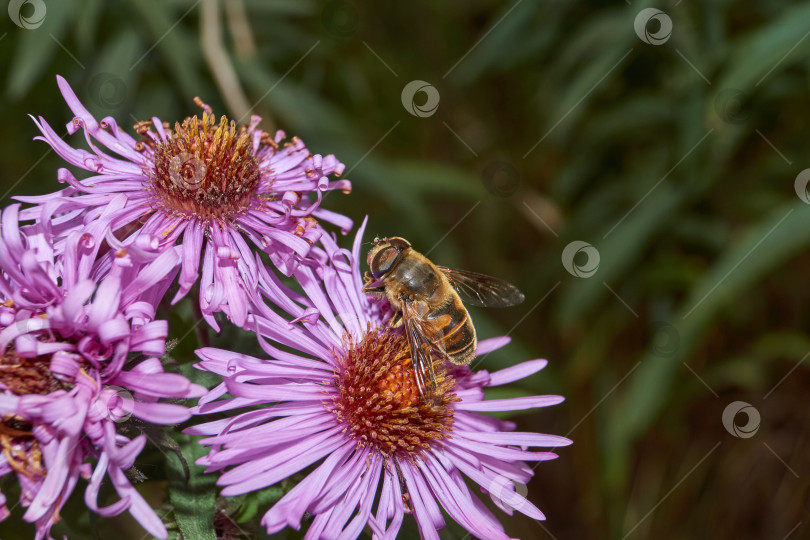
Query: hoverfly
x=428, y=303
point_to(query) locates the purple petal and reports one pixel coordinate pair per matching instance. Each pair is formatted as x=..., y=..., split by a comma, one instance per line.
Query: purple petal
x=58, y=469
x=278, y=392
x=509, y=404
x=94, y=486
x=501, y=452
x=515, y=373
x=192, y=250
x=517, y=438
x=168, y=385
x=106, y=301
x=491, y=481
x=266, y=472
x=139, y=508
x=428, y=516
x=290, y=509
x=161, y=413
x=457, y=500
x=486, y=346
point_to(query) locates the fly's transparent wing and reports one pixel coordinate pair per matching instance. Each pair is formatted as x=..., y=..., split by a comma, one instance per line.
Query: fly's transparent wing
x=421, y=355
x=482, y=290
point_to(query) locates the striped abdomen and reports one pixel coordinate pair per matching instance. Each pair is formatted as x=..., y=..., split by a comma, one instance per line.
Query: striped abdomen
x=454, y=330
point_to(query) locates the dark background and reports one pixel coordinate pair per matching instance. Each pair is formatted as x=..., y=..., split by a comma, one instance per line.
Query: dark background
x=679, y=162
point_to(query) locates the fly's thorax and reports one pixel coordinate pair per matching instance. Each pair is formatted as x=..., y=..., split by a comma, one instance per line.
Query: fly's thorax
x=416, y=276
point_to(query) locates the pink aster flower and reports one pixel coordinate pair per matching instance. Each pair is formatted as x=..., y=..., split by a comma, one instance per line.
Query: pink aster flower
x=64, y=389
x=346, y=405
x=211, y=187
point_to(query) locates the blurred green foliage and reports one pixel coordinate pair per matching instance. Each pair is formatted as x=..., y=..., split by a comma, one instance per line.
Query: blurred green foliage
x=556, y=123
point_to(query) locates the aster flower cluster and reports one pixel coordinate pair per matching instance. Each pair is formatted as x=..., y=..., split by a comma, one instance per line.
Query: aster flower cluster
x=231, y=216
x=348, y=405
x=210, y=187
x=65, y=383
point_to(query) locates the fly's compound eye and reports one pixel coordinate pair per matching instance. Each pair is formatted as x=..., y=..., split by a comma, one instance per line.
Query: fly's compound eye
x=383, y=261
x=399, y=243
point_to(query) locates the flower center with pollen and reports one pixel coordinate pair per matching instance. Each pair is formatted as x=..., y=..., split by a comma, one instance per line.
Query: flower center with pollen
x=21, y=376
x=203, y=168
x=378, y=399
x=20, y=448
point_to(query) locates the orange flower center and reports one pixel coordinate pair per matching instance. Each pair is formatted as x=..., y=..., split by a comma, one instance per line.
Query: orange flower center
x=205, y=169
x=20, y=448
x=378, y=399
x=22, y=376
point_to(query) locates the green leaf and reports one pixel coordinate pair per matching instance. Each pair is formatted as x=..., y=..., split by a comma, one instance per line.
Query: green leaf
x=773, y=46
x=431, y=177
x=622, y=247
x=765, y=246
x=170, y=41
x=111, y=85
x=193, y=496
x=259, y=501
x=87, y=24
x=36, y=47
x=507, y=30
